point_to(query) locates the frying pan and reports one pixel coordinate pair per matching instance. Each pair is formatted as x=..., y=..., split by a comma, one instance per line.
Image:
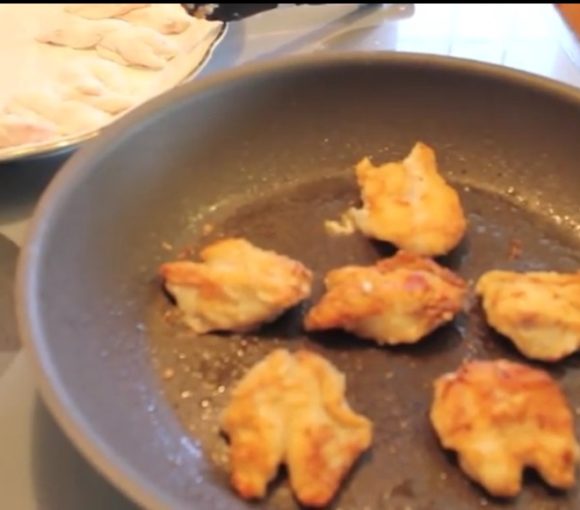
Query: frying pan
x=267, y=152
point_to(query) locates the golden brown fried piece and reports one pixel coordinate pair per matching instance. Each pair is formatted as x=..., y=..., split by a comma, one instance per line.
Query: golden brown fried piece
x=291, y=408
x=538, y=311
x=501, y=417
x=409, y=204
x=399, y=300
x=237, y=287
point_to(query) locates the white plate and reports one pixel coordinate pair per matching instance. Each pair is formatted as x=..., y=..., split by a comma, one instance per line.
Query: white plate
x=24, y=62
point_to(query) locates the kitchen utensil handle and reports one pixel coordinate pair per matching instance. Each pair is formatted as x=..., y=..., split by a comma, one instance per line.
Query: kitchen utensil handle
x=229, y=12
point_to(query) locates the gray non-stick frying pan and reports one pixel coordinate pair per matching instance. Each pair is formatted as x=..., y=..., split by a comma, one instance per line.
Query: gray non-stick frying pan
x=267, y=152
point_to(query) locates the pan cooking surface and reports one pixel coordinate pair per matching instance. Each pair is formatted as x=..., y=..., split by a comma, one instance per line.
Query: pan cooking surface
x=405, y=468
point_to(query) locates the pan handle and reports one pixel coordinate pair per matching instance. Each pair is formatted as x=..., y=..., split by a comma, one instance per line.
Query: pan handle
x=229, y=12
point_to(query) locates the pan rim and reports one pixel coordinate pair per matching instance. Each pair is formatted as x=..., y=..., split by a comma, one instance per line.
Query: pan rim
x=92, y=444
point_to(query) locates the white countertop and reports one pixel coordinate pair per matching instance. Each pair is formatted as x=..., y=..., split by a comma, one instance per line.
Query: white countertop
x=39, y=469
